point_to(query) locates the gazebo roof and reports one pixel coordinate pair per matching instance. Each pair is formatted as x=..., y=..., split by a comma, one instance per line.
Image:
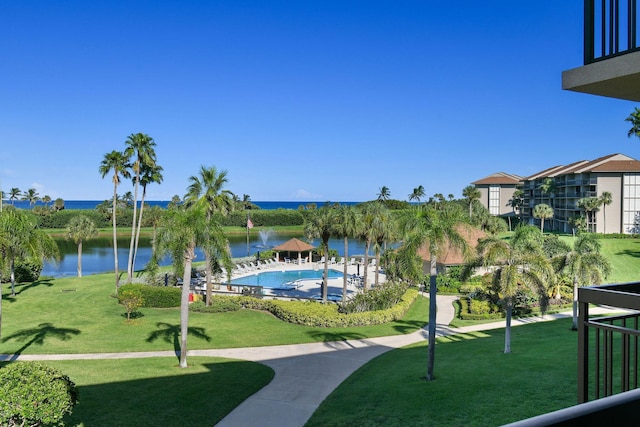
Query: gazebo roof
x=294, y=245
x=451, y=255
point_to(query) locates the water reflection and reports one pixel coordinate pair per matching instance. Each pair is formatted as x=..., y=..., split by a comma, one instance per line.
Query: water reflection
x=97, y=254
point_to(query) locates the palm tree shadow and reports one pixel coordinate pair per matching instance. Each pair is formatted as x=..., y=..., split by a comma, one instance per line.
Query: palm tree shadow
x=38, y=335
x=171, y=334
x=25, y=287
x=628, y=252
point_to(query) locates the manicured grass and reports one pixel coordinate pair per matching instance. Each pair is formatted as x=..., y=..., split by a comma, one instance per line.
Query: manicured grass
x=156, y=392
x=476, y=383
x=72, y=315
x=624, y=255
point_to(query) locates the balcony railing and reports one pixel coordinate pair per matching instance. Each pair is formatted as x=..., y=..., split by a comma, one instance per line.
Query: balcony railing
x=610, y=29
x=608, y=346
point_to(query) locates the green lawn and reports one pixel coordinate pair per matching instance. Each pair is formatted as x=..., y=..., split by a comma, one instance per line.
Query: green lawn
x=72, y=315
x=156, y=392
x=476, y=383
x=624, y=255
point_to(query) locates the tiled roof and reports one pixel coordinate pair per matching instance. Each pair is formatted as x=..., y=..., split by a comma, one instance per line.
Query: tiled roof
x=499, y=178
x=453, y=256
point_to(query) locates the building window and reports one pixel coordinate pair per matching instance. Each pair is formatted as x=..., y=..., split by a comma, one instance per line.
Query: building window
x=494, y=200
x=631, y=202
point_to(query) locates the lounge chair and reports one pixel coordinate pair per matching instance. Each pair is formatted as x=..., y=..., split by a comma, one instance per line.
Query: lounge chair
x=287, y=260
x=332, y=260
x=321, y=261
x=352, y=261
x=304, y=260
x=341, y=261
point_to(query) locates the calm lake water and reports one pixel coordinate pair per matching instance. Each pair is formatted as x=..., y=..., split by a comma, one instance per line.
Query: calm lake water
x=97, y=254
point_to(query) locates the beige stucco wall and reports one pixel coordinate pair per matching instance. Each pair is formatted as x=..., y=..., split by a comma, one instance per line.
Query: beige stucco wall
x=613, y=184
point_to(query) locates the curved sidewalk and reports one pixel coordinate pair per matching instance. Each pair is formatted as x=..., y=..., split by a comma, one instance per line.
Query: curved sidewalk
x=305, y=374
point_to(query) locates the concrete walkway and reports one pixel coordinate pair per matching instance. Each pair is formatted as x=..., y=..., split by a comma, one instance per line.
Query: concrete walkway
x=305, y=374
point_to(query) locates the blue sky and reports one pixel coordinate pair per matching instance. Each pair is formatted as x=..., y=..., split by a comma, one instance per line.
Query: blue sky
x=297, y=100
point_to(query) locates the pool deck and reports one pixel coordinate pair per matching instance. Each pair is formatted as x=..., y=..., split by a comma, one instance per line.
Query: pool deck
x=307, y=288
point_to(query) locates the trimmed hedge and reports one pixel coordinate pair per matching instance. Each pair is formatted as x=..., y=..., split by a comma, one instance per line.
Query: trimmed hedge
x=311, y=313
x=155, y=296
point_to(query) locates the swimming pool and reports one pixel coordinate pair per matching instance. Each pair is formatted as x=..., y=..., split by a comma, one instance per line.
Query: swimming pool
x=275, y=279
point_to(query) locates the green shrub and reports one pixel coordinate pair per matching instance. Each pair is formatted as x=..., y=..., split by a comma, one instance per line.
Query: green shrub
x=155, y=296
x=380, y=298
x=311, y=313
x=131, y=299
x=34, y=394
x=27, y=270
x=219, y=304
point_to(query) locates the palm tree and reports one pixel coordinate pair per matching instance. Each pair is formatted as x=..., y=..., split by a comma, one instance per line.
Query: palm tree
x=154, y=216
x=174, y=202
x=542, y=211
x=471, y=193
x=117, y=162
x=184, y=229
x=370, y=215
x=14, y=194
x=206, y=189
x=320, y=224
x=384, y=193
x=32, y=196
x=515, y=202
x=46, y=200
x=590, y=205
x=585, y=266
x=548, y=187
x=606, y=198
x=515, y=263
x=23, y=240
x=150, y=174
x=81, y=228
x=58, y=204
x=417, y=193
x=578, y=222
x=140, y=146
x=346, y=225
x=383, y=230
x=426, y=225
x=634, y=119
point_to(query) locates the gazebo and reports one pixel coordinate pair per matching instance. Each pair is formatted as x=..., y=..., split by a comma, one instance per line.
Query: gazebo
x=449, y=255
x=294, y=245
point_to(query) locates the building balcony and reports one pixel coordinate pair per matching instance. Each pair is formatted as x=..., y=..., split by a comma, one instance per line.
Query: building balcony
x=608, y=362
x=611, y=52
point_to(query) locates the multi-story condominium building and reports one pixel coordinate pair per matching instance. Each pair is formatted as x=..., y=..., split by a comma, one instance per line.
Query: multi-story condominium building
x=496, y=192
x=563, y=187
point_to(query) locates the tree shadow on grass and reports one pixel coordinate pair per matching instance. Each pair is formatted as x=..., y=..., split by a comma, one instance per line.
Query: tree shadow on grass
x=329, y=336
x=171, y=334
x=628, y=252
x=38, y=335
x=22, y=287
x=408, y=326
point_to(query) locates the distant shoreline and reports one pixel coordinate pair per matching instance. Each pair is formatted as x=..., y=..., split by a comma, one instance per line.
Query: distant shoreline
x=91, y=204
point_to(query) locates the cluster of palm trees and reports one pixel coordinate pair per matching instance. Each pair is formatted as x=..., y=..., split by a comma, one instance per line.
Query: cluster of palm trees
x=136, y=161
x=31, y=195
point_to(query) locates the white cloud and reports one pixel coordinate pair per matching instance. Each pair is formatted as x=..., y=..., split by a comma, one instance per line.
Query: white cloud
x=305, y=195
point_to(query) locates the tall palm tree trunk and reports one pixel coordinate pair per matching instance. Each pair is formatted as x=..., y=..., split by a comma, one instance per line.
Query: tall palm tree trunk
x=80, y=258
x=432, y=317
x=135, y=246
x=325, y=273
x=366, y=261
x=574, y=325
x=115, y=236
x=507, y=331
x=184, y=303
x=377, y=269
x=133, y=232
x=345, y=265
